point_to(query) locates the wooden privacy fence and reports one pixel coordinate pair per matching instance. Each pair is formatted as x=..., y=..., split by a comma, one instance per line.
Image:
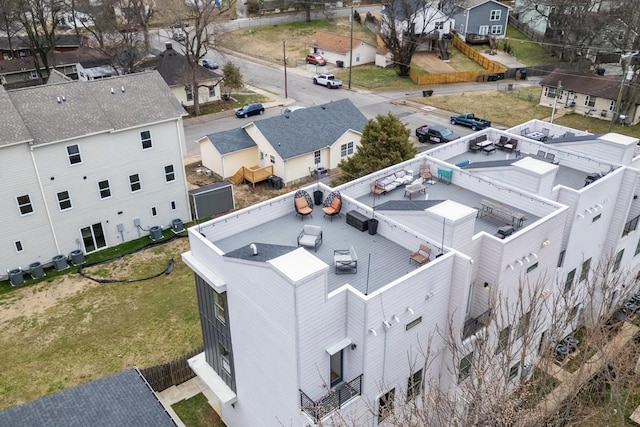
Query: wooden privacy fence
x=489, y=66
x=169, y=374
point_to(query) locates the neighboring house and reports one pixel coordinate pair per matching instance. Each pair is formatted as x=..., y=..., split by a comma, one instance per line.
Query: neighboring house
x=18, y=47
x=122, y=399
x=95, y=70
x=310, y=138
x=426, y=20
x=588, y=94
x=335, y=49
x=174, y=69
x=484, y=17
x=88, y=165
x=289, y=341
x=21, y=72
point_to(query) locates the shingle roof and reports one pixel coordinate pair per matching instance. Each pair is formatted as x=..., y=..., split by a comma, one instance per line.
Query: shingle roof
x=231, y=141
x=91, y=107
x=56, y=59
x=333, y=42
x=470, y=4
x=588, y=84
x=311, y=129
x=173, y=67
x=56, y=76
x=122, y=399
x=12, y=128
x=307, y=130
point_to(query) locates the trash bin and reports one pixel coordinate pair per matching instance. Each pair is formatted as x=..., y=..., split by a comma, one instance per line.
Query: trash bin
x=523, y=74
x=372, y=226
x=317, y=197
x=340, y=64
x=60, y=262
x=276, y=182
x=37, y=270
x=16, y=276
x=155, y=232
x=492, y=78
x=426, y=93
x=77, y=257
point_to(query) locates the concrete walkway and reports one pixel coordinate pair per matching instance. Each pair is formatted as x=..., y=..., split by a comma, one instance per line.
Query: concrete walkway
x=571, y=381
x=184, y=391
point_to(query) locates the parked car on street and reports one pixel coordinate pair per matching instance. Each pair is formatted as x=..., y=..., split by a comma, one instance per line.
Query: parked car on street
x=291, y=109
x=210, y=64
x=328, y=80
x=469, y=120
x=316, y=58
x=178, y=35
x=250, y=110
x=435, y=134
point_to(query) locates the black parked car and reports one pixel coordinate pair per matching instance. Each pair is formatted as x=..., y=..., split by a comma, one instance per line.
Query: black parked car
x=250, y=110
x=436, y=134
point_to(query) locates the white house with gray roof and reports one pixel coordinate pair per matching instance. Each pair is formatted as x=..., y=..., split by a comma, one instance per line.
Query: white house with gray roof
x=296, y=145
x=289, y=341
x=88, y=165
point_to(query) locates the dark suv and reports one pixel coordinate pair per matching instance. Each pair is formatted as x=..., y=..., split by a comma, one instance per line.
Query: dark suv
x=436, y=133
x=250, y=110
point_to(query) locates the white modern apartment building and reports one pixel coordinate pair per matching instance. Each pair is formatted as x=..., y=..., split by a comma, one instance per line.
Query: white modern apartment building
x=290, y=342
x=88, y=165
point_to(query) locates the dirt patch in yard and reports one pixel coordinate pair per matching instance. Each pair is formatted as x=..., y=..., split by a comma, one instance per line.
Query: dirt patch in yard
x=430, y=62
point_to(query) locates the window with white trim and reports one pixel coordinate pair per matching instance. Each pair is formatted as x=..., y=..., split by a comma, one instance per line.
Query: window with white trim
x=346, y=149
x=414, y=385
x=188, y=93
x=612, y=105
x=169, y=173
x=220, y=306
x=496, y=29
x=495, y=15
x=385, y=404
x=73, y=151
x=64, y=200
x=104, y=189
x=212, y=91
x=590, y=101
x=24, y=204
x=224, y=355
x=272, y=159
x=18, y=244
x=173, y=205
x=464, y=367
x=513, y=371
x=439, y=25
x=316, y=157
x=134, y=182
x=145, y=139
x=33, y=75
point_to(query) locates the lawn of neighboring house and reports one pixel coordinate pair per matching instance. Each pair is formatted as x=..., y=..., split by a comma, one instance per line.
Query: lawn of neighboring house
x=523, y=49
x=196, y=412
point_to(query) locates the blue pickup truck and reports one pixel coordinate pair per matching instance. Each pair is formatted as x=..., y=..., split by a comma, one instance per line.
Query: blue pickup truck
x=469, y=120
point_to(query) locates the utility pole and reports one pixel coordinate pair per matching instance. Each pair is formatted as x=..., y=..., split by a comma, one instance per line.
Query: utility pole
x=284, y=57
x=616, y=110
x=351, y=45
x=555, y=100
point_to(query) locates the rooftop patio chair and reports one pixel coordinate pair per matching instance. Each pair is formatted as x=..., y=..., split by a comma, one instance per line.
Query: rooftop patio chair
x=550, y=156
x=540, y=153
x=546, y=131
x=310, y=237
x=501, y=142
x=421, y=256
x=518, y=154
x=303, y=203
x=374, y=189
x=474, y=147
x=425, y=171
x=345, y=261
x=510, y=145
x=524, y=131
x=332, y=204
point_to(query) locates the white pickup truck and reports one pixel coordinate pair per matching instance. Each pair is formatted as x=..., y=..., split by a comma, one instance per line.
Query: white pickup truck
x=328, y=80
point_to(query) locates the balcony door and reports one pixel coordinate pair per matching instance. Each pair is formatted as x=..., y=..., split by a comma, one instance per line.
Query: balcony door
x=93, y=238
x=336, y=368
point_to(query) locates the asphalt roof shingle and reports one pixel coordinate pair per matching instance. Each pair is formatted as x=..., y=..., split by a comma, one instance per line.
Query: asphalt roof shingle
x=588, y=84
x=122, y=399
x=303, y=132
x=73, y=109
x=12, y=128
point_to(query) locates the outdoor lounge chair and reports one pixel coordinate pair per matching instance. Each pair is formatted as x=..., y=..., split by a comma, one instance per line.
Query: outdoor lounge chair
x=345, y=261
x=425, y=171
x=422, y=255
x=310, y=237
x=303, y=203
x=332, y=204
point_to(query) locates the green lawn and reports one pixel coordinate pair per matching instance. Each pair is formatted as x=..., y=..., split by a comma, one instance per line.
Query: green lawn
x=375, y=78
x=196, y=412
x=525, y=50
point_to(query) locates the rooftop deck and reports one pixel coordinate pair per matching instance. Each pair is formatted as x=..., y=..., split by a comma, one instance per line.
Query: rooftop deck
x=380, y=261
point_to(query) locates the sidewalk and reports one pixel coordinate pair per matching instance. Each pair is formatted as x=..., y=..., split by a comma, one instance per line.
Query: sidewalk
x=185, y=391
x=570, y=381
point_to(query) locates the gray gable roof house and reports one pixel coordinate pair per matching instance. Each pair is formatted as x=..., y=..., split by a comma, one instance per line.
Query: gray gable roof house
x=122, y=399
x=485, y=17
x=46, y=111
x=293, y=137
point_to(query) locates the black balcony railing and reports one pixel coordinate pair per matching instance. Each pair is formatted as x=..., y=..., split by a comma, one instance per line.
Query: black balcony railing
x=475, y=324
x=338, y=396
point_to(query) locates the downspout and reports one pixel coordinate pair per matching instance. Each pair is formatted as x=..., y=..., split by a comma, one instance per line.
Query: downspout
x=46, y=207
x=184, y=179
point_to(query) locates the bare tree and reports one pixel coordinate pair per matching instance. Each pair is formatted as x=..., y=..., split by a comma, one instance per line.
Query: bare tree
x=9, y=23
x=405, y=26
x=39, y=19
